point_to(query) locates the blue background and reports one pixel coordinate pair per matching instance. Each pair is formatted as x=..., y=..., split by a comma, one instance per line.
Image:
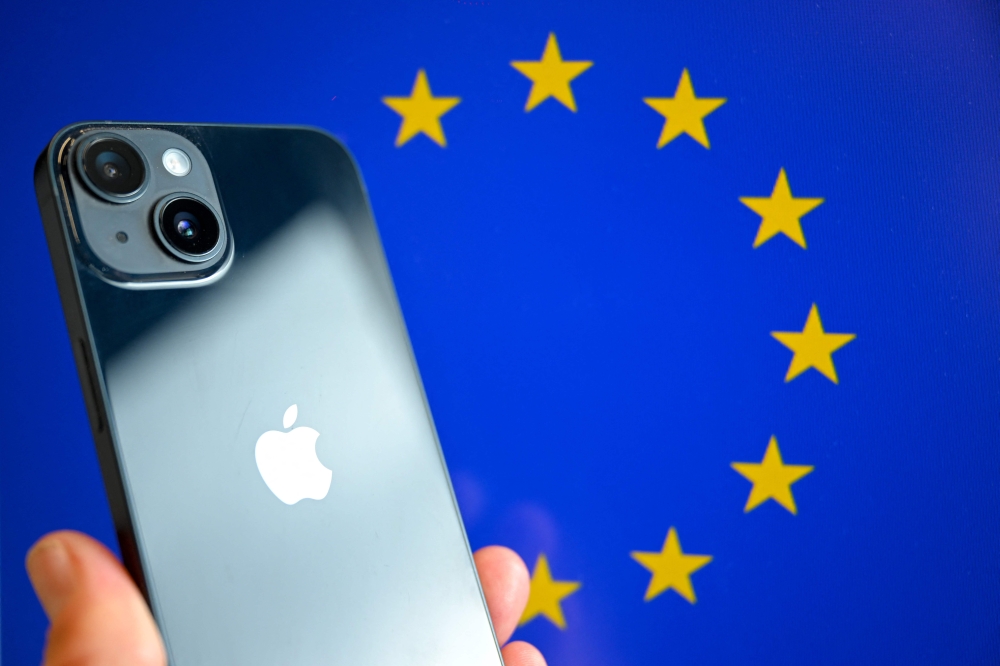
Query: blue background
x=590, y=319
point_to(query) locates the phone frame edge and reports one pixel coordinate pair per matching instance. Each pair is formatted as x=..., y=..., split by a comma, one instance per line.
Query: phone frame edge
x=74, y=311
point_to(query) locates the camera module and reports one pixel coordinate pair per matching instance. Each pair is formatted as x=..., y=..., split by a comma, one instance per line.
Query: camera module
x=188, y=228
x=112, y=167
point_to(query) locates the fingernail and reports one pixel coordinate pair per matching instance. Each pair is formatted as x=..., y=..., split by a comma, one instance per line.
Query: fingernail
x=51, y=573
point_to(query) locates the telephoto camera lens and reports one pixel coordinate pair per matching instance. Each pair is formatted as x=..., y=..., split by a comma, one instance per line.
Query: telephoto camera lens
x=190, y=229
x=113, y=168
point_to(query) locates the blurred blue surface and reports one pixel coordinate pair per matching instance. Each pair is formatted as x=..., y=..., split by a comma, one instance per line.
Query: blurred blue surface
x=590, y=319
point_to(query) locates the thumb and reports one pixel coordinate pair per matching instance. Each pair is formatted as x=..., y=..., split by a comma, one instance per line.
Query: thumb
x=98, y=615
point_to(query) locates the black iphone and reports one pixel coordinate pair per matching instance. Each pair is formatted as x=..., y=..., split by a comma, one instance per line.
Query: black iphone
x=268, y=453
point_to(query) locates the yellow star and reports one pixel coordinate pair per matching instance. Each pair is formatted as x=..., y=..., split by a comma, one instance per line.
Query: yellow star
x=813, y=347
x=546, y=594
x=780, y=213
x=551, y=75
x=671, y=568
x=772, y=479
x=421, y=112
x=684, y=112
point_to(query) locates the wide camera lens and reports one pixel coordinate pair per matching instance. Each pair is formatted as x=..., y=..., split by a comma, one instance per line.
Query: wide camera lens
x=190, y=229
x=113, y=167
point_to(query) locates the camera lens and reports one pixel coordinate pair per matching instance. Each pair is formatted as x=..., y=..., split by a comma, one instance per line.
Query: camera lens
x=114, y=168
x=189, y=229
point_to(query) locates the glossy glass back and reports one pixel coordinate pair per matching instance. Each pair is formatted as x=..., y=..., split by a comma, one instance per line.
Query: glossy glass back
x=254, y=550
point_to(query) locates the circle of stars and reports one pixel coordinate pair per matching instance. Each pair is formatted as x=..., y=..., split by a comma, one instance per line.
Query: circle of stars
x=780, y=214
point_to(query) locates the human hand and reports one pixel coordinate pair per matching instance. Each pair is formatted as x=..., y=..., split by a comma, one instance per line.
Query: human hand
x=99, y=618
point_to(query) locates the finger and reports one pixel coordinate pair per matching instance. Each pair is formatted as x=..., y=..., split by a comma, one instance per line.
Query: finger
x=98, y=615
x=505, y=583
x=520, y=653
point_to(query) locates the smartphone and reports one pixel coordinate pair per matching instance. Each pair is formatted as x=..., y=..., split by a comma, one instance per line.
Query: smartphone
x=270, y=461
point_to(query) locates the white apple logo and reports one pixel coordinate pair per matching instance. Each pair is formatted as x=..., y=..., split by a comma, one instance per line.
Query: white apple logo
x=288, y=464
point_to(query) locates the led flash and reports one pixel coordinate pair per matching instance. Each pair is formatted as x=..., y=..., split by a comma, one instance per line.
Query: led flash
x=176, y=162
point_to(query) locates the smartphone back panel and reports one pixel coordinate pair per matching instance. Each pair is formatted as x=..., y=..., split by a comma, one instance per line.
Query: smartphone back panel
x=207, y=401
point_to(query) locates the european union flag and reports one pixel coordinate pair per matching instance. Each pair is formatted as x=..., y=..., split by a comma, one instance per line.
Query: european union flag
x=705, y=296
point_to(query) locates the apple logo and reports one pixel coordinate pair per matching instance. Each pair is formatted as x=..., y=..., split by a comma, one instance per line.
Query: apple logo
x=288, y=464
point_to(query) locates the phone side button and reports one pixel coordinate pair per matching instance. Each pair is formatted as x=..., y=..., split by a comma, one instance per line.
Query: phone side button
x=94, y=395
